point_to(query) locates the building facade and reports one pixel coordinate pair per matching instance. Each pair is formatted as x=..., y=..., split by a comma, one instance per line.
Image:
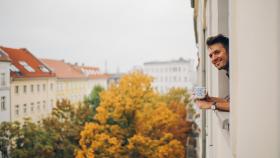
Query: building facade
x=169, y=74
x=94, y=77
x=5, y=107
x=31, y=86
x=252, y=127
x=71, y=84
x=98, y=80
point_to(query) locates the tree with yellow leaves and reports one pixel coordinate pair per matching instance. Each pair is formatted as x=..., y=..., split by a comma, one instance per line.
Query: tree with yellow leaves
x=132, y=121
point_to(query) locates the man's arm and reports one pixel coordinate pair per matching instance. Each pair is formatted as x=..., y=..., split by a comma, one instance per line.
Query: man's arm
x=221, y=104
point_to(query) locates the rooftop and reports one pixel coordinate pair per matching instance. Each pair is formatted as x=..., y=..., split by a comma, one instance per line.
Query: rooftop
x=4, y=56
x=180, y=60
x=25, y=65
x=62, y=69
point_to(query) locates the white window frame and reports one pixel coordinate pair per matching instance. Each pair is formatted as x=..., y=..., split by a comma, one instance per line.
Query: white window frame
x=17, y=110
x=26, y=66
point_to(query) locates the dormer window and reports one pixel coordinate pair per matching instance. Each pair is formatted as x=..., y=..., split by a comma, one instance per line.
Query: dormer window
x=26, y=66
x=13, y=68
x=44, y=69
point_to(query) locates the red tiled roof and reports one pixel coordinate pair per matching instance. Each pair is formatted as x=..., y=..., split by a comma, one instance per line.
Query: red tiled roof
x=22, y=54
x=62, y=69
x=4, y=56
x=86, y=70
x=89, y=68
x=99, y=76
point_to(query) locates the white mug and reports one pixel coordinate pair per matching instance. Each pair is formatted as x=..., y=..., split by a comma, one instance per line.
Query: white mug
x=199, y=92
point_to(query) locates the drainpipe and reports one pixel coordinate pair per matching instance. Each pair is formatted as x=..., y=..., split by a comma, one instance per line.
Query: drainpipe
x=203, y=117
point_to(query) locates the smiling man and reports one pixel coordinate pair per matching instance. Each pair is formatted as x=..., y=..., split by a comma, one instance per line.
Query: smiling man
x=218, y=51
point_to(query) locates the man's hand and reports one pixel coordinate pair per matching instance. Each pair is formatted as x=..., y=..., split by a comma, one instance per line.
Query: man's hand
x=204, y=103
x=221, y=104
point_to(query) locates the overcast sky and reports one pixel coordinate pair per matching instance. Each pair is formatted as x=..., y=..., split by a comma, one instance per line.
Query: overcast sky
x=122, y=32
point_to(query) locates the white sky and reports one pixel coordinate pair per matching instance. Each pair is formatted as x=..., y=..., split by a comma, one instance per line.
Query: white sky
x=123, y=32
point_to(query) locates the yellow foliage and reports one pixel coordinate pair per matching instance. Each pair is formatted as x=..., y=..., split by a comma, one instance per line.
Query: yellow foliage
x=157, y=122
x=96, y=142
x=132, y=121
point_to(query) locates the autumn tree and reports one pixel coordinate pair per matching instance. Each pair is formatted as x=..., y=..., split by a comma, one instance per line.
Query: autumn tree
x=94, y=97
x=56, y=136
x=32, y=141
x=178, y=101
x=9, y=131
x=64, y=127
x=131, y=121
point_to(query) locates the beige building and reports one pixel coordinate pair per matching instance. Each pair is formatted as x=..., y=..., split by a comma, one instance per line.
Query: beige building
x=94, y=77
x=252, y=127
x=71, y=84
x=32, y=86
x=98, y=80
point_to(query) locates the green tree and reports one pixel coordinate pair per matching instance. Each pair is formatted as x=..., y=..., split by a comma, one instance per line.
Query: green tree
x=64, y=127
x=56, y=136
x=9, y=131
x=94, y=98
x=32, y=141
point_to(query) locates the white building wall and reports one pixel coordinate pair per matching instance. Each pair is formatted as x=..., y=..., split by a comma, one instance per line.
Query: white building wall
x=255, y=78
x=103, y=82
x=212, y=20
x=39, y=103
x=166, y=77
x=5, y=114
x=73, y=90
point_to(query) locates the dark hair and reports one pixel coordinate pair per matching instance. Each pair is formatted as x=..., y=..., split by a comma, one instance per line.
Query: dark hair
x=218, y=39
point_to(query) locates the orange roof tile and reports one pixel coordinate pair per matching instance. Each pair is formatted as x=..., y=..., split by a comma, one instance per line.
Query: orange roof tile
x=86, y=70
x=22, y=55
x=99, y=76
x=4, y=56
x=89, y=68
x=62, y=69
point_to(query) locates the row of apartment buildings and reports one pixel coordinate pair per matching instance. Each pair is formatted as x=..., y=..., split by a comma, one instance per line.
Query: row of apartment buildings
x=30, y=87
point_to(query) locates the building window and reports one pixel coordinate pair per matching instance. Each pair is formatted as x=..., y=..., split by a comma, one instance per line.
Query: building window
x=16, y=89
x=43, y=68
x=44, y=87
x=3, y=79
x=3, y=103
x=38, y=106
x=38, y=88
x=13, y=68
x=31, y=107
x=24, y=108
x=17, y=110
x=32, y=88
x=26, y=66
x=24, y=89
x=51, y=86
x=44, y=104
x=186, y=79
